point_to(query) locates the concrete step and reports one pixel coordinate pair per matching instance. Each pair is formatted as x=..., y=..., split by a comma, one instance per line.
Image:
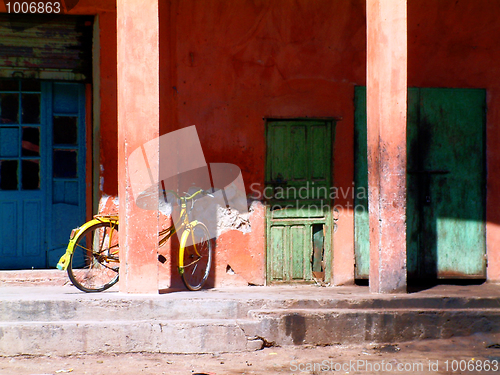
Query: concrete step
x=64, y=321
x=34, y=277
x=344, y=326
x=115, y=309
x=388, y=302
x=93, y=337
x=187, y=305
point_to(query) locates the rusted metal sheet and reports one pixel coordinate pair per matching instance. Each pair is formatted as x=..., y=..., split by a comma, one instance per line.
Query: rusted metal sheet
x=55, y=47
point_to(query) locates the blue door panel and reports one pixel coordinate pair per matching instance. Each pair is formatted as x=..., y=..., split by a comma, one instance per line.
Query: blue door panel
x=65, y=217
x=66, y=192
x=42, y=172
x=66, y=165
x=21, y=232
x=9, y=142
x=66, y=98
x=8, y=230
x=32, y=239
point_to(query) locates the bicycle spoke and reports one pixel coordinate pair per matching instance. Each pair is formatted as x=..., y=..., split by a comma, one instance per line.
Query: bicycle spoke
x=197, y=258
x=95, y=262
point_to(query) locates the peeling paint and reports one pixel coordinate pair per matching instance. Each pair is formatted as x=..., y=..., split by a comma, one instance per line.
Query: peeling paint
x=229, y=270
x=108, y=204
x=102, y=202
x=231, y=219
x=101, y=181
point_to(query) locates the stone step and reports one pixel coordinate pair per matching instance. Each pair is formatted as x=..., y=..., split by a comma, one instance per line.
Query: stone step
x=116, y=309
x=93, y=337
x=389, y=302
x=189, y=334
x=344, y=326
x=115, y=306
x=64, y=321
x=34, y=277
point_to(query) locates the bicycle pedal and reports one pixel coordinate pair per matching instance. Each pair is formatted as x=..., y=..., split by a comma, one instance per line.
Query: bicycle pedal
x=161, y=258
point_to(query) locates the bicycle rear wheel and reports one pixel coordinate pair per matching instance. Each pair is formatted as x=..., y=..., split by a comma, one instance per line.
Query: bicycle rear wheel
x=197, y=258
x=94, y=264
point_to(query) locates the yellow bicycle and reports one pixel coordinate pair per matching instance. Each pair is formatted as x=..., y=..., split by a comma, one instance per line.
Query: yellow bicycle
x=92, y=256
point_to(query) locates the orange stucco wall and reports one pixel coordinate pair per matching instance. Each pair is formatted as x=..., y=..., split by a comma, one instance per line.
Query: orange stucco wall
x=386, y=91
x=455, y=44
x=108, y=109
x=238, y=63
x=106, y=12
x=225, y=66
x=235, y=63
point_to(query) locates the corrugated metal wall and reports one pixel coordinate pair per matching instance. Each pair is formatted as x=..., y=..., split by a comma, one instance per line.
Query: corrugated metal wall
x=54, y=47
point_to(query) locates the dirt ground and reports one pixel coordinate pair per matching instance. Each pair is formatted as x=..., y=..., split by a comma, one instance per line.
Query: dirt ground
x=478, y=354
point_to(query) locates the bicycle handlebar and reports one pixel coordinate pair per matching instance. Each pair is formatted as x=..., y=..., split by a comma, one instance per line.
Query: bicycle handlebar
x=189, y=197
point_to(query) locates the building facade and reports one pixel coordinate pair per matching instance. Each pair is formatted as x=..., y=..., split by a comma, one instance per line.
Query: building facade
x=297, y=94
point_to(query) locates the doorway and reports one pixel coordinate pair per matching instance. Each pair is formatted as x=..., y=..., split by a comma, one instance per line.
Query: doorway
x=42, y=170
x=445, y=184
x=297, y=192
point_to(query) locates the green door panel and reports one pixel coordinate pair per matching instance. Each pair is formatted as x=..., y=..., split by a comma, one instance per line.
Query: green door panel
x=299, y=159
x=298, y=244
x=299, y=209
x=298, y=173
x=413, y=209
x=450, y=180
x=277, y=240
x=445, y=183
x=361, y=220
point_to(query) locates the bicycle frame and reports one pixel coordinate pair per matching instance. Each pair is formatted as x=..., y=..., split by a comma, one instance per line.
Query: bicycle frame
x=64, y=261
x=182, y=223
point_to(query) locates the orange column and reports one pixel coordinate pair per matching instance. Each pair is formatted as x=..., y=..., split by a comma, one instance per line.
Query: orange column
x=386, y=115
x=138, y=122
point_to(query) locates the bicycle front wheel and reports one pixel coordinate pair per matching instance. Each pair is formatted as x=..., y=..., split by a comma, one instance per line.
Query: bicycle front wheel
x=94, y=264
x=197, y=258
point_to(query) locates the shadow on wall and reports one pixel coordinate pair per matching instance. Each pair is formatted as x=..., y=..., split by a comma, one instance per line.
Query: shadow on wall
x=182, y=182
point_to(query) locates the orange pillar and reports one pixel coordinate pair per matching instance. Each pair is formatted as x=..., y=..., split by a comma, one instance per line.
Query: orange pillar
x=386, y=116
x=138, y=123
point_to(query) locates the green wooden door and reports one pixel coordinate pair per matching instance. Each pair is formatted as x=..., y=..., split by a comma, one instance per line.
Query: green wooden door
x=445, y=181
x=298, y=181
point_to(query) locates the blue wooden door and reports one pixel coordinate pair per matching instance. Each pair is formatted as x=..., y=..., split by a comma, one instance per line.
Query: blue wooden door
x=42, y=170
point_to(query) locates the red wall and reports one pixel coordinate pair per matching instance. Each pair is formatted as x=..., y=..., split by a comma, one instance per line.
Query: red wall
x=456, y=44
x=228, y=65
x=238, y=63
x=106, y=12
x=108, y=109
